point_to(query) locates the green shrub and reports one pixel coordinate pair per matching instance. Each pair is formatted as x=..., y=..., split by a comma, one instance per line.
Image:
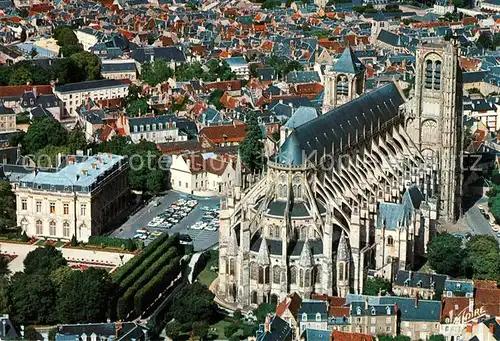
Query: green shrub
x=112, y=241
x=129, y=267
x=150, y=291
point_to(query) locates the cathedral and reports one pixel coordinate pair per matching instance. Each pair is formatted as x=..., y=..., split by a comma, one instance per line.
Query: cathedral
x=356, y=190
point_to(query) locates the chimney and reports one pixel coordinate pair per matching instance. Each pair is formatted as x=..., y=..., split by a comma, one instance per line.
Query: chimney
x=94, y=165
x=35, y=92
x=118, y=326
x=366, y=304
x=267, y=324
x=84, y=172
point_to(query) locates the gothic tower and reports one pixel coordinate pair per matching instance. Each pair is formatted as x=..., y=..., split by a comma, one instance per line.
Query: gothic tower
x=344, y=81
x=343, y=267
x=435, y=122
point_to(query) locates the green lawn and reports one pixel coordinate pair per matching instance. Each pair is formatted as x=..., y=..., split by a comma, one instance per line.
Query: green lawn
x=207, y=276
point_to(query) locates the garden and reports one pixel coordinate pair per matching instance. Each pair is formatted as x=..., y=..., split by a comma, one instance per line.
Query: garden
x=111, y=244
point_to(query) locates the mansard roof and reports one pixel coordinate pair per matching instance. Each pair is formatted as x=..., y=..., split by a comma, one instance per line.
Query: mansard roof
x=341, y=125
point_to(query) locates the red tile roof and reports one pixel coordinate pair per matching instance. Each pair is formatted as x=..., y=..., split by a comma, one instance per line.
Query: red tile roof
x=344, y=336
x=292, y=302
x=453, y=306
x=19, y=90
x=489, y=299
x=485, y=284
x=225, y=133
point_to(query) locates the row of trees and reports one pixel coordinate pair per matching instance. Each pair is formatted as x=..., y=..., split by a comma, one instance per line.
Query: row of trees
x=49, y=291
x=81, y=66
x=479, y=258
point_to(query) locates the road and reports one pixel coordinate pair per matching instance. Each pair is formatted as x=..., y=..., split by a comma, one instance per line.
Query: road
x=477, y=222
x=202, y=239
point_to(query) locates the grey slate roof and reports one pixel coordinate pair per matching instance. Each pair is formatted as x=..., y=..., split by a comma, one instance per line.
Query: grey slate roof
x=311, y=308
x=89, y=85
x=151, y=54
x=348, y=63
x=420, y=280
x=300, y=116
x=118, y=67
x=361, y=114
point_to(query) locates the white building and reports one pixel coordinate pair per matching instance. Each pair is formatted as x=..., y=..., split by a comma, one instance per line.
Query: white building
x=119, y=69
x=81, y=198
x=239, y=66
x=201, y=173
x=74, y=94
x=88, y=37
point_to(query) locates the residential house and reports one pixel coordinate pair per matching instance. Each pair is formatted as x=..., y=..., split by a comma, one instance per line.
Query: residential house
x=288, y=310
x=410, y=283
x=32, y=100
x=273, y=329
x=172, y=55
x=482, y=330
x=74, y=95
x=119, y=69
x=7, y=119
x=239, y=66
x=202, y=173
x=312, y=314
x=373, y=319
x=224, y=135
x=10, y=96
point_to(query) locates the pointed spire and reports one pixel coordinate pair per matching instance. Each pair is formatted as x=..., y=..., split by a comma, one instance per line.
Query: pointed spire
x=263, y=257
x=306, y=255
x=343, y=248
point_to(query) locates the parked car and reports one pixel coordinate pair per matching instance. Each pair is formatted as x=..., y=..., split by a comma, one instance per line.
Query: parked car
x=185, y=239
x=498, y=234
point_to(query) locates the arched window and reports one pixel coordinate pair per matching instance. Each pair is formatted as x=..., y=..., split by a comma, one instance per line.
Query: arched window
x=283, y=191
x=267, y=275
x=317, y=274
x=254, y=271
x=39, y=227
x=342, y=86
x=264, y=298
x=301, y=278
x=341, y=272
x=261, y=275
x=428, y=74
x=307, y=278
x=24, y=225
x=232, y=267
x=277, y=231
x=225, y=265
x=276, y=274
x=437, y=75
x=66, y=229
x=304, y=317
x=298, y=191
x=254, y=297
x=52, y=228
x=293, y=275
x=390, y=241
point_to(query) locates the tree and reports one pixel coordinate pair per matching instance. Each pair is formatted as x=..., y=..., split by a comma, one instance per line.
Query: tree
x=375, y=285
x=20, y=76
x=4, y=295
x=52, y=334
x=156, y=72
x=4, y=266
x=48, y=155
x=84, y=296
x=74, y=242
x=230, y=329
x=237, y=315
x=88, y=62
x=24, y=237
x=117, y=145
x=66, y=70
x=445, y=254
x=43, y=132
x=214, y=98
x=77, y=140
x=194, y=303
x=43, y=260
x=59, y=275
x=436, y=337
x=134, y=93
x=483, y=257
x=31, y=334
x=155, y=181
x=263, y=310
x=137, y=107
x=67, y=40
x=32, y=299
x=251, y=148
x=173, y=329
x=270, y=4
x=484, y=41
x=7, y=206
x=200, y=329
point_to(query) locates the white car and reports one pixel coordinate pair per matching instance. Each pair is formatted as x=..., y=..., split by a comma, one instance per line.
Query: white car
x=211, y=228
x=154, y=223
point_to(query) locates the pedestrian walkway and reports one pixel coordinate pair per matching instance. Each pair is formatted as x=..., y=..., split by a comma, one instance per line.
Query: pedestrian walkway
x=192, y=264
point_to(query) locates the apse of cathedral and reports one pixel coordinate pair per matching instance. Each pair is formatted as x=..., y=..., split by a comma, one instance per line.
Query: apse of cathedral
x=355, y=190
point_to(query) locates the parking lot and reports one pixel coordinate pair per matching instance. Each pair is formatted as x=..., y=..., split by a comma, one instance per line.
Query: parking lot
x=202, y=239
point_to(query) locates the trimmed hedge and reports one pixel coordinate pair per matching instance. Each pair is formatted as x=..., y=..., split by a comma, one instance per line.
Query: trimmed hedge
x=126, y=302
x=130, y=266
x=113, y=241
x=147, y=263
x=149, y=293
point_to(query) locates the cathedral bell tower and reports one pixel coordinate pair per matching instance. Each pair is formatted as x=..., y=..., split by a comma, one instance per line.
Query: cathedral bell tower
x=344, y=81
x=435, y=120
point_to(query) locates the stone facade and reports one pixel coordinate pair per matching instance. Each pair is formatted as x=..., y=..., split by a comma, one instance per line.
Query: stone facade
x=340, y=188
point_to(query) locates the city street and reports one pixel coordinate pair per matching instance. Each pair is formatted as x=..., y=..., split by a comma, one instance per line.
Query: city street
x=477, y=222
x=202, y=239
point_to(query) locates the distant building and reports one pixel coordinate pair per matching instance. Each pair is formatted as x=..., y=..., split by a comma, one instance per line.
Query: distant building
x=119, y=331
x=119, y=69
x=239, y=66
x=426, y=286
x=80, y=198
x=75, y=94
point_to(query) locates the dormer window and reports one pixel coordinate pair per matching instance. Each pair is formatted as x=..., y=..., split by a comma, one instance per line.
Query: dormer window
x=304, y=317
x=388, y=310
x=147, y=127
x=358, y=310
x=135, y=129
x=141, y=128
x=407, y=282
x=318, y=317
x=154, y=126
x=160, y=126
x=419, y=284
x=373, y=311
